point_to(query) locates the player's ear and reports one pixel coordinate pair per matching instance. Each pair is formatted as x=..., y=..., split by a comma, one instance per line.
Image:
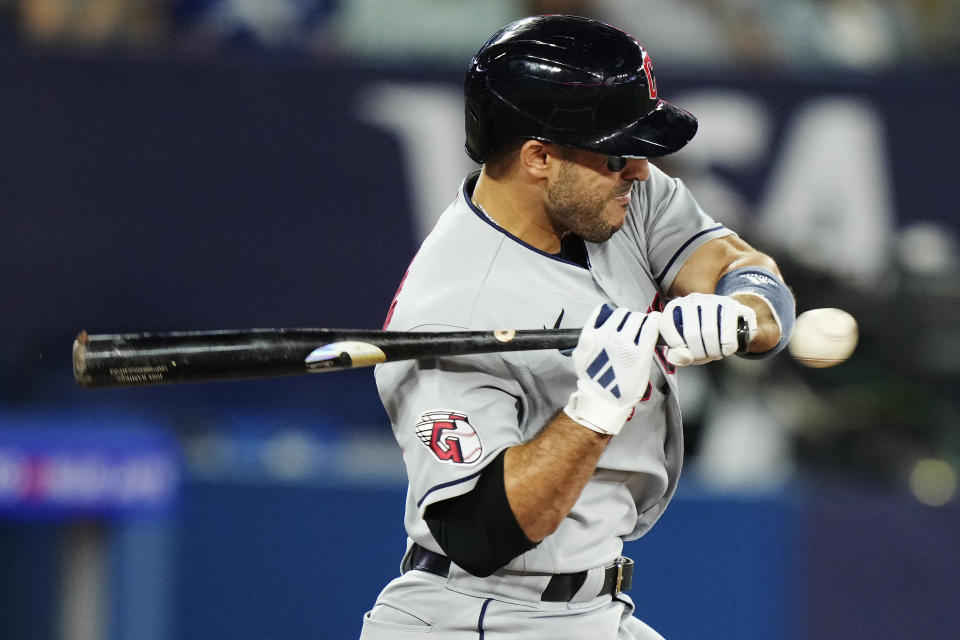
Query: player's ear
x=537, y=157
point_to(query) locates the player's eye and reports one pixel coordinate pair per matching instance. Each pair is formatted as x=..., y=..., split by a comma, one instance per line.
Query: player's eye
x=616, y=163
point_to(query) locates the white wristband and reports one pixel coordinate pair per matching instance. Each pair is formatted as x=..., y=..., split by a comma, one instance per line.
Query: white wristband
x=596, y=413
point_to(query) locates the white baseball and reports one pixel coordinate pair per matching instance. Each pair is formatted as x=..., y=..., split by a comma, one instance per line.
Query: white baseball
x=823, y=337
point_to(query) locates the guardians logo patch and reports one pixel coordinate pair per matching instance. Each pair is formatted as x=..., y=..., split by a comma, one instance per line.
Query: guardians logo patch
x=449, y=435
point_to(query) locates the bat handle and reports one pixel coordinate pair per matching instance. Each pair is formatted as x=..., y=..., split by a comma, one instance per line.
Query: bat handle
x=743, y=335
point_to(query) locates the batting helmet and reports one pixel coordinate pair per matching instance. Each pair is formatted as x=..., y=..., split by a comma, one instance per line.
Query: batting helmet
x=572, y=81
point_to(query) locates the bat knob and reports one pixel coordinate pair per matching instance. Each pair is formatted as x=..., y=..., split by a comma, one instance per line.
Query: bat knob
x=743, y=335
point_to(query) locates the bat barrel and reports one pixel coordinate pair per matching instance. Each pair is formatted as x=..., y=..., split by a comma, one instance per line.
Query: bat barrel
x=122, y=360
x=148, y=359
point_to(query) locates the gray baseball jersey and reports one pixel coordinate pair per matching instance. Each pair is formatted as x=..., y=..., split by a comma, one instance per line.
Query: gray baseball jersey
x=452, y=416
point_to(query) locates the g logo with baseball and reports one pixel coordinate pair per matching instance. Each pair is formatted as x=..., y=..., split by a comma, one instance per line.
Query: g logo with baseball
x=450, y=436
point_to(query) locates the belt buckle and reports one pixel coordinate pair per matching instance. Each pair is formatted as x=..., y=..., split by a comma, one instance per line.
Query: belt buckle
x=618, y=563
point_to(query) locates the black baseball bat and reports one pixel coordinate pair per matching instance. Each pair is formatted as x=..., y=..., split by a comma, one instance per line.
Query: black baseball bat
x=136, y=359
x=140, y=359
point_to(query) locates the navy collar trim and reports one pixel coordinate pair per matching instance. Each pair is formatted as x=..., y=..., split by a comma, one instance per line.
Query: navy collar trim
x=467, y=194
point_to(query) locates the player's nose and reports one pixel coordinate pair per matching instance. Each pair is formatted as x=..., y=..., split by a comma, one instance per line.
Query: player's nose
x=636, y=169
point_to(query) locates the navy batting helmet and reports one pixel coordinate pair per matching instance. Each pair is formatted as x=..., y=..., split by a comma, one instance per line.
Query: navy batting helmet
x=572, y=81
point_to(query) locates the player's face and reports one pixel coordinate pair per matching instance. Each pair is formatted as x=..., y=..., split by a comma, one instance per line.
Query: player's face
x=589, y=198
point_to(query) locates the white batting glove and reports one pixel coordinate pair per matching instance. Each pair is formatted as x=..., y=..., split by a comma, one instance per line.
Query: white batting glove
x=701, y=327
x=613, y=359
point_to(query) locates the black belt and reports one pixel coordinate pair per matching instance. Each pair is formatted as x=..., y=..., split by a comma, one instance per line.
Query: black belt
x=562, y=586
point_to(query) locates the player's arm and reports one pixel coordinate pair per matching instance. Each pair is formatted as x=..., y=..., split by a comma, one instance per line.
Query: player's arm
x=528, y=490
x=727, y=267
x=544, y=477
x=520, y=498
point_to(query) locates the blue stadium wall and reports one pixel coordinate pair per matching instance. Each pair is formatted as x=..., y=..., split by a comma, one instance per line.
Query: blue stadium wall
x=186, y=194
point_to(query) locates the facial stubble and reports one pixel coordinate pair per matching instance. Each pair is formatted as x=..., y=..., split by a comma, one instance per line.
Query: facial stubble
x=574, y=208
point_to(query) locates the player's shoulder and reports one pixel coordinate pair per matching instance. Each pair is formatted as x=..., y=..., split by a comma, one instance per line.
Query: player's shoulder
x=446, y=277
x=659, y=184
x=665, y=198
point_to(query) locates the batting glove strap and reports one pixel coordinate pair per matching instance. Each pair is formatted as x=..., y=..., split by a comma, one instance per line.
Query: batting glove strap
x=767, y=286
x=596, y=413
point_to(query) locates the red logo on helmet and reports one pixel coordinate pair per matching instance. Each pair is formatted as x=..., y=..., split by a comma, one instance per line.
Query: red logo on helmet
x=449, y=435
x=651, y=81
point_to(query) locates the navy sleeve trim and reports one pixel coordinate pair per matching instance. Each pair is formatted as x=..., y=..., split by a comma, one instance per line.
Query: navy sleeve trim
x=683, y=247
x=448, y=484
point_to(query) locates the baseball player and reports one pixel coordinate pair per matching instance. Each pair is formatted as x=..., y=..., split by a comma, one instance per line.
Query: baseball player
x=528, y=470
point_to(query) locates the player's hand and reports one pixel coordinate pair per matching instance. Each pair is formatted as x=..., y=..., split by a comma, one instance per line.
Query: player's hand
x=701, y=327
x=612, y=359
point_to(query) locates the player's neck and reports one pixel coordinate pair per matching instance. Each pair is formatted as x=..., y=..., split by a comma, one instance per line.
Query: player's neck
x=518, y=210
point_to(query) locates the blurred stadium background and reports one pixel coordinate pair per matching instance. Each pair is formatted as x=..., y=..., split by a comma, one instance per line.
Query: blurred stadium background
x=195, y=164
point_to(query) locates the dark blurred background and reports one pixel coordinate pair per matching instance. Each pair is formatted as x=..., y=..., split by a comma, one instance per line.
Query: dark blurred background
x=198, y=164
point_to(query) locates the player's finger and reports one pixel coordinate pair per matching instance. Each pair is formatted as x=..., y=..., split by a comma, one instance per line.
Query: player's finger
x=669, y=331
x=616, y=321
x=648, y=333
x=692, y=329
x=631, y=326
x=729, y=325
x=710, y=314
x=680, y=356
x=727, y=322
x=600, y=314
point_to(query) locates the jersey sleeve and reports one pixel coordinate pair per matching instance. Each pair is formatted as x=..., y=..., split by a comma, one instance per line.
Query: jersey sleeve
x=675, y=225
x=451, y=417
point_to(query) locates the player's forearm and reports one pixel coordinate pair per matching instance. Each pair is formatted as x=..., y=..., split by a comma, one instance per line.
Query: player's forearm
x=544, y=477
x=711, y=262
x=768, y=328
x=749, y=258
x=768, y=331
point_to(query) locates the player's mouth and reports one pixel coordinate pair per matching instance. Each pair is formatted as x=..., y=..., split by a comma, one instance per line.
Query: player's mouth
x=623, y=197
